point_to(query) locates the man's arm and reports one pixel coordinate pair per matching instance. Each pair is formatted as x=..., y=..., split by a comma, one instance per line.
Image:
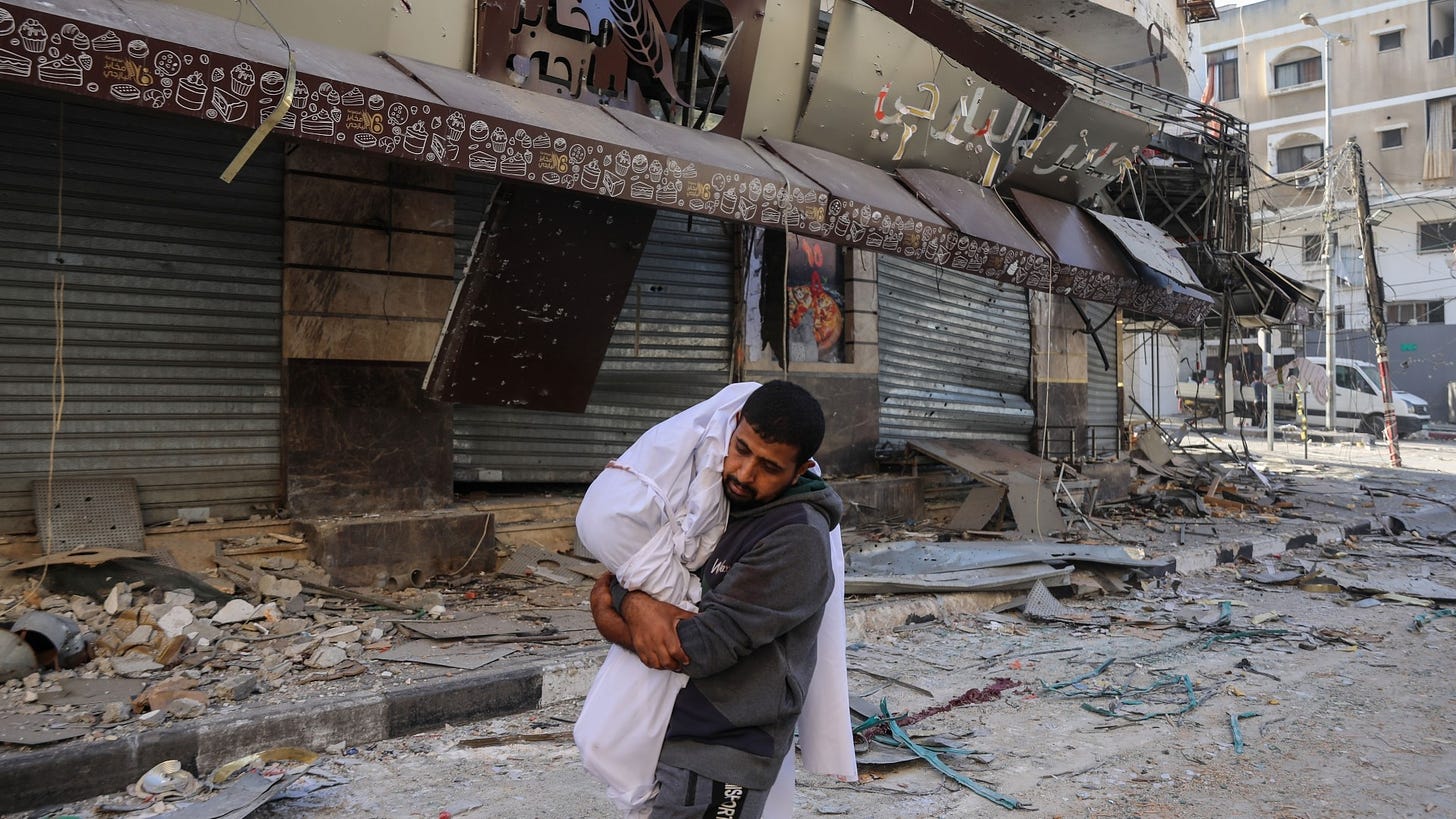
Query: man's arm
x=653, y=626
x=608, y=621
x=643, y=625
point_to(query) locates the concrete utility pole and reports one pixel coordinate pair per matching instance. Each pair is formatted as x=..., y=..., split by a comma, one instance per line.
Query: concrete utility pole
x=1330, y=248
x=1375, y=297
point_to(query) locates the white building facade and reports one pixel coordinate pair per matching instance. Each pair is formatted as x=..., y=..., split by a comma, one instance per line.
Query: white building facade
x=1391, y=71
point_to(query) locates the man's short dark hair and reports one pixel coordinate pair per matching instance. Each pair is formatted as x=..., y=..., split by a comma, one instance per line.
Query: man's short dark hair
x=785, y=413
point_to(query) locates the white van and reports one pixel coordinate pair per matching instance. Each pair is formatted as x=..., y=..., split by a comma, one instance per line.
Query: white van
x=1358, y=402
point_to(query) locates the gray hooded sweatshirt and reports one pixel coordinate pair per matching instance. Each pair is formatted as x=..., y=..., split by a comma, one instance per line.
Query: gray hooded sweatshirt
x=752, y=644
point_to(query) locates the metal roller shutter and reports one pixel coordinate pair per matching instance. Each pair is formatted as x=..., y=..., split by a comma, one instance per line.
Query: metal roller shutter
x=170, y=328
x=955, y=356
x=1104, y=415
x=671, y=348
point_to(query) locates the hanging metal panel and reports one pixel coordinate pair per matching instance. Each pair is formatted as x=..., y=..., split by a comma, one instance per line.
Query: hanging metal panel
x=1104, y=413
x=670, y=349
x=955, y=355
x=139, y=304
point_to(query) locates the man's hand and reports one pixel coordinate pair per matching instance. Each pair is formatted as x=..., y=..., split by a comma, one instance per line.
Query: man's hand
x=608, y=621
x=653, y=627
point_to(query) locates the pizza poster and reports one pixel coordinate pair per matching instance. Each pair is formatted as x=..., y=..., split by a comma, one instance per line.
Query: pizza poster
x=794, y=292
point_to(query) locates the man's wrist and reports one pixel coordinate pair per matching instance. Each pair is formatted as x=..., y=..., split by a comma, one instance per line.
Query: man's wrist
x=619, y=595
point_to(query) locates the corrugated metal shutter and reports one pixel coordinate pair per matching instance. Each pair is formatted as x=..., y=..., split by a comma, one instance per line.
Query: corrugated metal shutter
x=672, y=348
x=1104, y=415
x=955, y=356
x=171, y=308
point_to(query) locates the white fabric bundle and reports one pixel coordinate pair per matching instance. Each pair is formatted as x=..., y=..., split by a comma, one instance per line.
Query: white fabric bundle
x=652, y=517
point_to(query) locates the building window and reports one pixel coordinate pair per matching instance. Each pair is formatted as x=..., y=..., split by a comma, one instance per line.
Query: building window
x=1314, y=247
x=1440, y=138
x=1223, y=73
x=1415, y=312
x=1389, y=41
x=1393, y=138
x=1298, y=72
x=1441, y=16
x=1291, y=159
x=1349, y=265
x=1435, y=237
x=1339, y=317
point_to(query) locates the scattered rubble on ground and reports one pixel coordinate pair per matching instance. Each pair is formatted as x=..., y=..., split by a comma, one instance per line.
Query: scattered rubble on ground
x=136, y=643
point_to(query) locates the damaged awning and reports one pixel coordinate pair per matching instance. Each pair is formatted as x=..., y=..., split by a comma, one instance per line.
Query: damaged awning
x=1262, y=296
x=148, y=54
x=1152, y=279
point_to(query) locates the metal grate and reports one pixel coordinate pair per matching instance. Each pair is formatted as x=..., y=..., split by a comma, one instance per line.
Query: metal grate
x=74, y=512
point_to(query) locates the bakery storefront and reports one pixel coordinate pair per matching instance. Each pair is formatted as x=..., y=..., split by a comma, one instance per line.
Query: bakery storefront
x=619, y=187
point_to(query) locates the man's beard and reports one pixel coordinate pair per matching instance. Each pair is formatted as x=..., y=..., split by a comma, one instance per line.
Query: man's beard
x=747, y=498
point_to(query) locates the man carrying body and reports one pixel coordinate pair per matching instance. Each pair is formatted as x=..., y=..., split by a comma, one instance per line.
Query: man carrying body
x=749, y=652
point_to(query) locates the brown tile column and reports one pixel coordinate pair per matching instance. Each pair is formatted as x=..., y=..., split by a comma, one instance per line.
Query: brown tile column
x=368, y=276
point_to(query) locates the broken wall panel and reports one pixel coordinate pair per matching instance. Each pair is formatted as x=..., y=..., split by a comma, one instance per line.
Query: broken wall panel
x=671, y=348
x=1060, y=367
x=534, y=314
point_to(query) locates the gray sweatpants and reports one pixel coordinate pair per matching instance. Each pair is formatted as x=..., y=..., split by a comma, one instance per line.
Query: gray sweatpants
x=684, y=794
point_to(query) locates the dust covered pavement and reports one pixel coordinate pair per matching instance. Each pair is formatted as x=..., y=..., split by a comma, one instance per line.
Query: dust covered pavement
x=1339, y=702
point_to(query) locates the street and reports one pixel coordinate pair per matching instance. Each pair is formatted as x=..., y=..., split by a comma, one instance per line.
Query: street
x=1345, y=709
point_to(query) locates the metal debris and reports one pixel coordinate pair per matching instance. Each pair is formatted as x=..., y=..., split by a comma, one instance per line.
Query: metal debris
x=891, y=724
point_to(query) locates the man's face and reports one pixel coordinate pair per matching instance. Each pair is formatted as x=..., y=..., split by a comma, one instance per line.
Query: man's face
x=756, y=471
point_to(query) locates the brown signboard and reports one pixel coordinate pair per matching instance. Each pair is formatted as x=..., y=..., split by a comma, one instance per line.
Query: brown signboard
x=894, y=97
x=624, y=51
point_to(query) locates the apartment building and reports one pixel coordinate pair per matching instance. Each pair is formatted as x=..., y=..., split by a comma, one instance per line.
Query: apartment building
x=1309, y=74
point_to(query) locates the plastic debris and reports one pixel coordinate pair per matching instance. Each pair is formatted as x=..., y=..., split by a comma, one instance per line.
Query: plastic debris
x=885, y=721
x=1136, y=697
x=1421, y=619
x=1234, y=727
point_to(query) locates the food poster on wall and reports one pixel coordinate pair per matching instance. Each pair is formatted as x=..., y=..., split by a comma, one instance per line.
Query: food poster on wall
x=794, y=296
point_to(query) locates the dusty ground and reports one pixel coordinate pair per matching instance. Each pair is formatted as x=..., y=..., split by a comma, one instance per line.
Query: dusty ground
x=1353, y=708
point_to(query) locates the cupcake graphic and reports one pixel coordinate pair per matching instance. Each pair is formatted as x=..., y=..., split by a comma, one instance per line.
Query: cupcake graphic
x=32, y=36
x=498, y=140
x=242, y=79
x=454, y=125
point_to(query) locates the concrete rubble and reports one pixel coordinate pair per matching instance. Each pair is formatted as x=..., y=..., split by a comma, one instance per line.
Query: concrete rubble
x=278, y=640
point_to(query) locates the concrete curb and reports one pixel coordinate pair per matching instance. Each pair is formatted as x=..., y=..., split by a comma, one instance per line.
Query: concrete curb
x=71, y=772
x=75, y=771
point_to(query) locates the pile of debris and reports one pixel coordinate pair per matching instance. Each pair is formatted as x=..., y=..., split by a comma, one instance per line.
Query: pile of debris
x=1202, y=480
x=97, y=639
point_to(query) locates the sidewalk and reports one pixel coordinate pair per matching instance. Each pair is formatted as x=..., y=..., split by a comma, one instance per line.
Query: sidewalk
x=418, y=698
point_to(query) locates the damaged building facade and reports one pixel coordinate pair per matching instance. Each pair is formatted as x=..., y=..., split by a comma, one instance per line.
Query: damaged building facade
x=491, y=246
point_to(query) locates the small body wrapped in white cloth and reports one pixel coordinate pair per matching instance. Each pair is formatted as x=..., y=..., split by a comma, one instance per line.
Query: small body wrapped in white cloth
x=652, y=517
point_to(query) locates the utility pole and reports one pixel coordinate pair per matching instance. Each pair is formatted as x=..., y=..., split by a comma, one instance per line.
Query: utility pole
x=1330, y=248
x=1375, y=298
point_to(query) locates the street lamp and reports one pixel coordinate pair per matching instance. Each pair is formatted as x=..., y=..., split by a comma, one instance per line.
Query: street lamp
x=1330, y=249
